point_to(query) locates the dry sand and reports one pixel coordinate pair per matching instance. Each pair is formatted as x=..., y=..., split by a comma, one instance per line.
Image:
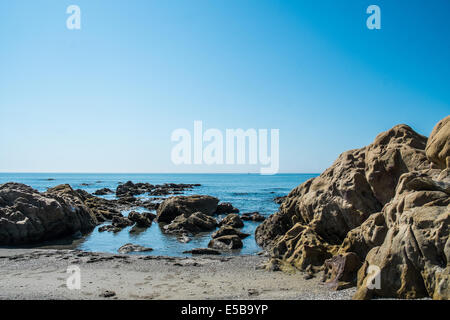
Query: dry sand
x=42, y=274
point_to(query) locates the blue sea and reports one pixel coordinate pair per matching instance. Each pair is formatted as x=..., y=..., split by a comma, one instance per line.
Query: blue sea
x=247, y=192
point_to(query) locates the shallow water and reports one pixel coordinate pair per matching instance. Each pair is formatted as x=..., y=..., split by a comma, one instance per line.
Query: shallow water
x=247, y=192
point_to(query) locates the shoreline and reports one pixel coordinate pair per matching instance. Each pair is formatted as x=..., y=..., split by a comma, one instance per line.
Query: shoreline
x=42, y=274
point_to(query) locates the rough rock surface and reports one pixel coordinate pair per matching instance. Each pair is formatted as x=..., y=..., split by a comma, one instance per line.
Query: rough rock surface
x=438, y=146
x=386, y=205
x=194, y=223
x=415, y=254
x=142, y=220
x=225, y=208
x=27, y=216
x=252, y=216
x=129, y=247
x=232, y=220
x=229, y=242
x=187, y=205
x=228, y=230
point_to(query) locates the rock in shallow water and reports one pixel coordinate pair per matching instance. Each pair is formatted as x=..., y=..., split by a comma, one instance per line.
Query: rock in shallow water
x=232, y=220
x=27, y=216
x=173, y=207
x=129, y=247
x=195, y=223
x=229, y=242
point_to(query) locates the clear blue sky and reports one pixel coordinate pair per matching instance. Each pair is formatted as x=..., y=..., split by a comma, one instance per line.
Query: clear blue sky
x=107, y=97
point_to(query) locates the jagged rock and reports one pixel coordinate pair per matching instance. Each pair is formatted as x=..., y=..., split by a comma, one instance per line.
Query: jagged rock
x=368, y=235
x=173, y=207
x=227, y=231
x=109, y=228
x=340, y=271
x=358, y=184
x=229, y=242
x=252, y=216
x=438, y=146
x=121, y=222
x=129, y=247
x=203, y=251
x=194, y=223
x=27, y=216
x=225, y=208
x=414, y=256
x=104, y=191
x=142, y=220
x=232, y=220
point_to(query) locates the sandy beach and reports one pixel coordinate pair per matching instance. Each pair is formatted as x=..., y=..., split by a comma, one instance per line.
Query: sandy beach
x=42, y=274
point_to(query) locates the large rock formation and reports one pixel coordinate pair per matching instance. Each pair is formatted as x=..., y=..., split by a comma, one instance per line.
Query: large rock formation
x=27, y=216
x=358, y=184
x=382, y=204
x=186, y=205
x=438, y=146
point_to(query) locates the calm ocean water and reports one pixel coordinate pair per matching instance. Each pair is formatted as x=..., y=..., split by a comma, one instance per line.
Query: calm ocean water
x=247, y=192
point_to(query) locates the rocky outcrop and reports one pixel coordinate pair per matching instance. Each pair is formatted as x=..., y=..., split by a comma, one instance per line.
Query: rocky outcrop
x=438, y=146
x=232, y=220
x=173, y=207
x=104, y=191
x=191, y=223
x=227, y=231
x=383, y=205
x=130, y=189
x=226, y=208
x=252, y=216
x=358, y=184
x=142, y=220
x=27, y=216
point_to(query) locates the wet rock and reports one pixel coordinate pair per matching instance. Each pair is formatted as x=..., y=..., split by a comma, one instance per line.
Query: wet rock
x=232, y=220
x=27, y=216
x=229, y=242
x=102, y=192
x=199, y=251
x=226, y=208
x=227, y=231
x=173, y=207
x=195, y=223
x=252, y=216
x=129, y=247
x=109, y=228
x=142, y=220
x=121, y=222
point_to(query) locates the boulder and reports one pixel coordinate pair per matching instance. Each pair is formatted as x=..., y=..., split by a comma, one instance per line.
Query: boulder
x=194, y=223
x=129, y=247
x=226, y=208
x=173, y=207
x=142, y=220
x=109, y=228
x=226, y=230
x=438, y=145
x=229, y=242
x=232, y=220
x=27, y=216
x=121, y=222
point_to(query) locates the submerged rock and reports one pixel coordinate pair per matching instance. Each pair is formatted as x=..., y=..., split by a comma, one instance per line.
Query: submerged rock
x=27, y=216
x=173, y=207
x=252, y=216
